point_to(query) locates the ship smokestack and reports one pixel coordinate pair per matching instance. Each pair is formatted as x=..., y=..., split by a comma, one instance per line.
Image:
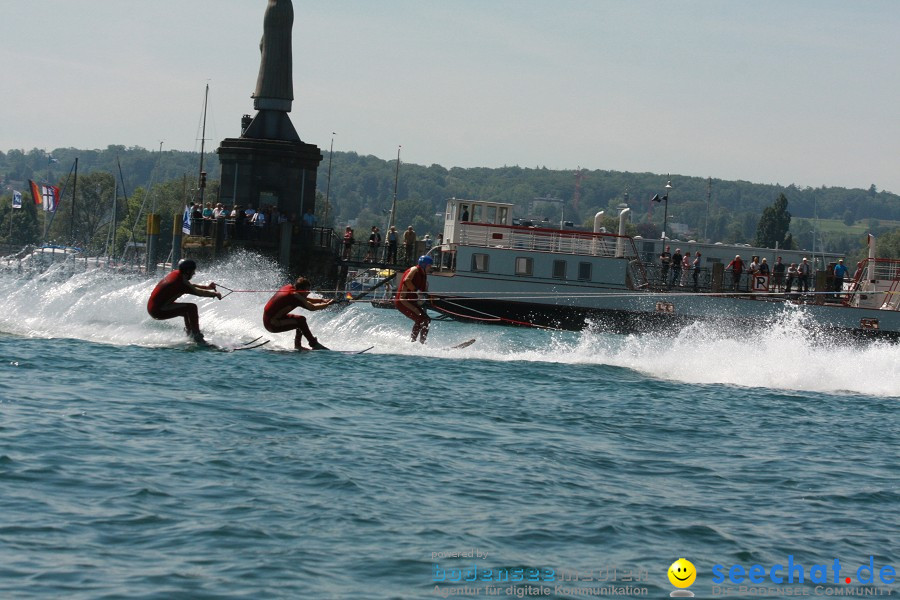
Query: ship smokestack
x=620, y=242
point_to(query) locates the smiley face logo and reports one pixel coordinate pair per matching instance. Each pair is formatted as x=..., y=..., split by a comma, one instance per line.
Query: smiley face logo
x=682, y=573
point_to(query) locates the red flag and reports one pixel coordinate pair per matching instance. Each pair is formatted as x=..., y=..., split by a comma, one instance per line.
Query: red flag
x=35, y=192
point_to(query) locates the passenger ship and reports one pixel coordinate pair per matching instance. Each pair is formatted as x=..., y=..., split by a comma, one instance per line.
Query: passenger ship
x=490, y=270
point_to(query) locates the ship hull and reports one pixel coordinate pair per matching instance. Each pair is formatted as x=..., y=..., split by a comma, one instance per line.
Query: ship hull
x=733, y=317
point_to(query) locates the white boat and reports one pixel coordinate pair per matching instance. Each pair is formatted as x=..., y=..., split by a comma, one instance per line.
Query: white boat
x=489, y=270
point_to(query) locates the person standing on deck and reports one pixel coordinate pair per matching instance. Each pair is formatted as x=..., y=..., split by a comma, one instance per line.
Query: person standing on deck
x=665, y=261
x=392, y=239
x=804, y=270
x=410, y=297
x=792, y=274
x=696, y=265
x=737, y=269
x=677, y=259
x=374, y=244
x=840, y=272
x=409, y=243
x=778, y=274
x=162, y=303
x=348, y=242
x=685, y=268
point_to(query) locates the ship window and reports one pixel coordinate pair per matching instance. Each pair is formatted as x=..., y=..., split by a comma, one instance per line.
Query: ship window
x=524, y=266
x=476, y=213
x=502, y=215
x=584, y=271
x=491, y=214
x=479, y=262
x=559, y=269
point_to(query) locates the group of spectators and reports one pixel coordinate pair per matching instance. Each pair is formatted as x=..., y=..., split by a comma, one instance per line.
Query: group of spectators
x=676, y=268
x=243, y=222
x=785, y=278
x=390, y=244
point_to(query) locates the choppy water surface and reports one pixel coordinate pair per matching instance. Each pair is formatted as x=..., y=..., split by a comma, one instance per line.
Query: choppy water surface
x=132, y=466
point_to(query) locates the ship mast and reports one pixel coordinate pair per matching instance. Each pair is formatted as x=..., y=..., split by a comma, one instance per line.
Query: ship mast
x=202, y=184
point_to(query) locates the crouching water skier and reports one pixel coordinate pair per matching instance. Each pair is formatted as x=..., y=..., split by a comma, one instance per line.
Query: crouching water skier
x=276, y=318
x=162, y=303
x=411, y=295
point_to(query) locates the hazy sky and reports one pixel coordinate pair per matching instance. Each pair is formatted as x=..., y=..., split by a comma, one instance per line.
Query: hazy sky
x=778, y=91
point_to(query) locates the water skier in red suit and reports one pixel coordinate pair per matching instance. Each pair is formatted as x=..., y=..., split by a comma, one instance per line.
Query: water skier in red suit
x=276, y=318
x=162, y=303
x=411, y=294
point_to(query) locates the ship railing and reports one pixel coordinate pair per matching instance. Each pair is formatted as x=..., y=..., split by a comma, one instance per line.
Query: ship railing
x=876, y=275
x=886, y=269
x=545, y=240
x=892, y=296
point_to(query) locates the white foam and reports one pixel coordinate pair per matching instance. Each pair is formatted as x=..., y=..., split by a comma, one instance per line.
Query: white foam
x=103, y=307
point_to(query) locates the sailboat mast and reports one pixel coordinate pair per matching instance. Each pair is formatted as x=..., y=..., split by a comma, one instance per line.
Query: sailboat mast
x=115, y=206
x=202, y=148
x=396, y=180
x=74, y=187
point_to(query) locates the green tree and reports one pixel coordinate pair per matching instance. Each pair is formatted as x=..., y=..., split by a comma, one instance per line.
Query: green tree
x=92, y=214
x=19, y=226
x=774, y=224
x=849, y=218
x=888, y=246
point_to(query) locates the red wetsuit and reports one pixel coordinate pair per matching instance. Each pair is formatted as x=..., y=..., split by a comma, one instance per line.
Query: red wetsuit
x=419, y=279
x=285, y=299
x=162, y=303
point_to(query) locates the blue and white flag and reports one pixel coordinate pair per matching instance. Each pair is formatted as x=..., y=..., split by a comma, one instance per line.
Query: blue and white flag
x=17, y=199
x=186, y=222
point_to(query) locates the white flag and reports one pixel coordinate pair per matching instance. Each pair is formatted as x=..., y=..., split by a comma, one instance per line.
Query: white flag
x=17, y=199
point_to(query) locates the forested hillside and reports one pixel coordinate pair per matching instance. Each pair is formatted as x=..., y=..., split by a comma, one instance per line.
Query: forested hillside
x=362, y=188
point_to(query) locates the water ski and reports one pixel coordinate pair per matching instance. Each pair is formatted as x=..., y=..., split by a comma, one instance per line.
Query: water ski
x=255, y=343
x=465, y=344
x=249, y=345
x=307, y=351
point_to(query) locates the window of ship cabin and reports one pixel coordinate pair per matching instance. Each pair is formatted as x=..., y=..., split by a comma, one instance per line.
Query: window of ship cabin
x=491, y=214
x=480, y=262
x=584, y=271
x=451, y=212
x=503, y=212
x=524, y=266
x=464, y=215
x=559, y=269
x=477, y=213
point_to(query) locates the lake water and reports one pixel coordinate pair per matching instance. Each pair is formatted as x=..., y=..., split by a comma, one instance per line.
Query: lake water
x=134, y=466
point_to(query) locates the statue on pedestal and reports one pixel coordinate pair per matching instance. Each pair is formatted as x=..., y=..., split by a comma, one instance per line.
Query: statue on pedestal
x=274, y=86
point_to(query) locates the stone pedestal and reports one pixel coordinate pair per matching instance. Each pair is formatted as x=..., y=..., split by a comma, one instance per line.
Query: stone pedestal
x=267, y=172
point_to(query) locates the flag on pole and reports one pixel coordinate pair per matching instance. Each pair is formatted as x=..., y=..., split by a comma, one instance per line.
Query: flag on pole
x=655, y=198
x=45, y=194
x=186, y=221
x=17, y=199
